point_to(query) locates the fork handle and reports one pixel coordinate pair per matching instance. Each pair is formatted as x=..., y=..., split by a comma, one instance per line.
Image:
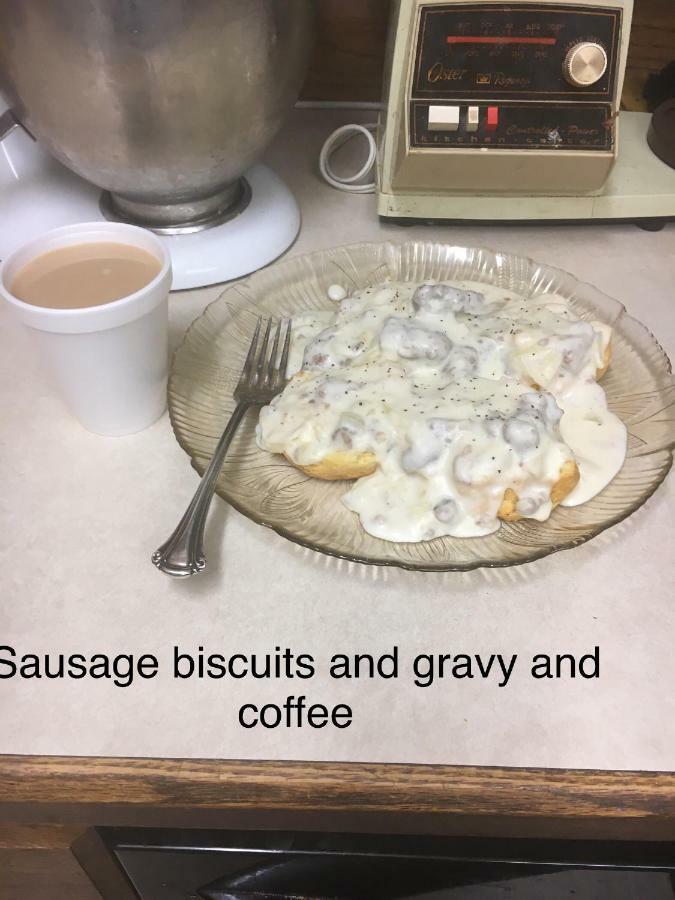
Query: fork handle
x=183, y=553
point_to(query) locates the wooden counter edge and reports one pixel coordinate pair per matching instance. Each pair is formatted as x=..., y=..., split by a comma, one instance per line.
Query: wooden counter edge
x=207, y=793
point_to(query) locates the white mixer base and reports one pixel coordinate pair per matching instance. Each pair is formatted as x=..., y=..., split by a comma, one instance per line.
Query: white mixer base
x=254, y=238
x=39, y=193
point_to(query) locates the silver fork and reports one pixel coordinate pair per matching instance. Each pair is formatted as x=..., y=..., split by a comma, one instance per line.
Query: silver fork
x=261, y=379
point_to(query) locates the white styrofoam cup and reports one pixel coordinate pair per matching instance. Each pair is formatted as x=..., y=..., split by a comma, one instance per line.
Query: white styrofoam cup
x=110, y=361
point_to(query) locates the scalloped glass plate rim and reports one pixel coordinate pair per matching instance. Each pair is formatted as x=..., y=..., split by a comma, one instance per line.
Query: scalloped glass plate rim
x=449, y=566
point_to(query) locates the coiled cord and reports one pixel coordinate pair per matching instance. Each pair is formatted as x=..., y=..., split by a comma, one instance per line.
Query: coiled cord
x=336, y=140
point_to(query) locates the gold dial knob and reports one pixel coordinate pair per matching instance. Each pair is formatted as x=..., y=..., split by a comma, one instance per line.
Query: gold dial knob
x=585, y=64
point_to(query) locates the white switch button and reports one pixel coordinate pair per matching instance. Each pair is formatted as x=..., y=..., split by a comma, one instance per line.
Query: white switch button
x=443, y=118
x=472, y=118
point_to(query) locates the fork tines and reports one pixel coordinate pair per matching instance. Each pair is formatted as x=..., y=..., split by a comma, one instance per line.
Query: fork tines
x=262, y=369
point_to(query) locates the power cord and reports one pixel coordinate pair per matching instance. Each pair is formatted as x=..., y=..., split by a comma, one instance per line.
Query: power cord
x=338, y=139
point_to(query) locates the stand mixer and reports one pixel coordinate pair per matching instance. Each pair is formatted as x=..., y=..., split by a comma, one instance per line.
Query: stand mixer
x=166, y=105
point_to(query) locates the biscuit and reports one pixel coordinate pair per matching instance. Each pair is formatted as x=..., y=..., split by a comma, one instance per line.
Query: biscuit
x=568, y=480
x=347, y=465
x=341, y=465
x=606, y=359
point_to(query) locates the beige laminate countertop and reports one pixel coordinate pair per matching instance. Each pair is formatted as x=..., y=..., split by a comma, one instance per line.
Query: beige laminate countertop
x=81, y=514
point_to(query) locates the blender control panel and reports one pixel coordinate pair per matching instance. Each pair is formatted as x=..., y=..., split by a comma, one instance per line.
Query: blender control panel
x=515, y=77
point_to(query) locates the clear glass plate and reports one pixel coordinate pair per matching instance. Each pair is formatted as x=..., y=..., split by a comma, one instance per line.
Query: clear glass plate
x=639, y=384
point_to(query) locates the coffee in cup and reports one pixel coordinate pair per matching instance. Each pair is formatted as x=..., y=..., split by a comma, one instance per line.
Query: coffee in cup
x=95, y=297
x=83, y=275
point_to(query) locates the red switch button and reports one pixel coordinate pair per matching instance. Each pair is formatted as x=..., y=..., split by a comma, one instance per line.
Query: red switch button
x=492, y=118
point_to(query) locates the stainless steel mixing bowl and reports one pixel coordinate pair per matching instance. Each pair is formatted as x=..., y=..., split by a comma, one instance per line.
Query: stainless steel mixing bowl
x=163, y=103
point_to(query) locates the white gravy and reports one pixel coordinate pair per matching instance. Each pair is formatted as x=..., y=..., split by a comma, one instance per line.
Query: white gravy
x=438, y=382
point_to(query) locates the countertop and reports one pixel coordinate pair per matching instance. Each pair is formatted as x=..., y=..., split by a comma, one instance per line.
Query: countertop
x=80, y=516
